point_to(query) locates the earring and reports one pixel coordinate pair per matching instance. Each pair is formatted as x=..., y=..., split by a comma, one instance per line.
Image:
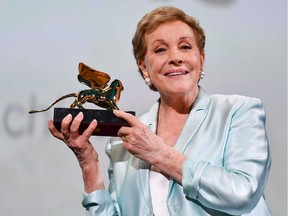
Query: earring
x=202, y=74
x=148, y=81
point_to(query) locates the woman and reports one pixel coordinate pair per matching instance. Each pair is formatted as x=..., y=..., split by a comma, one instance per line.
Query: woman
x=192, y=153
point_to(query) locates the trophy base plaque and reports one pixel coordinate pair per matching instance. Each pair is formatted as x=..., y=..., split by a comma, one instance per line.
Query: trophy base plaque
x=108, y=123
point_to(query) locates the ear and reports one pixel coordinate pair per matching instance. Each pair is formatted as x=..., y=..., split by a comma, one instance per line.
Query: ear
x=202, y=59
x=143, y=68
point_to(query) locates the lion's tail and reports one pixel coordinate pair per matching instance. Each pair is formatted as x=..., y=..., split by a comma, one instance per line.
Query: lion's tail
x=59, y=99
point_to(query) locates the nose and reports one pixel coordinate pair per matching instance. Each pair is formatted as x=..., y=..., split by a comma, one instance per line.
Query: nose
x=176, y=61
x=176, y=58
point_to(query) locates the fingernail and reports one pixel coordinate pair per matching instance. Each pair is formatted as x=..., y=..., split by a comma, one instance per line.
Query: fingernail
x=69, y=116
x=115, y=111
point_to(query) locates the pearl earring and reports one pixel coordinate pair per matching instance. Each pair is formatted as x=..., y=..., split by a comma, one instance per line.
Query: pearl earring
x=202, y=74
x=148, y=81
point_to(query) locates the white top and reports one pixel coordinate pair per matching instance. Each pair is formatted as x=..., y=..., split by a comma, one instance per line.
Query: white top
x=159, y=186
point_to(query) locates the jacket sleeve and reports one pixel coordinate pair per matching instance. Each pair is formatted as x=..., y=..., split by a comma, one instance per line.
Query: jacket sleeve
x=236, y=186
x=99, y=203
x=103, y=202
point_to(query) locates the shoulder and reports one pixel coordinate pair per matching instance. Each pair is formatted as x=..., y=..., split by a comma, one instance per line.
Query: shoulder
x=235, y=101
x=238, y=107
x=230, y=105
x=226, y=102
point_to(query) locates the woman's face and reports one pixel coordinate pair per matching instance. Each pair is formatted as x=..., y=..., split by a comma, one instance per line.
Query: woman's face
x=172, y=61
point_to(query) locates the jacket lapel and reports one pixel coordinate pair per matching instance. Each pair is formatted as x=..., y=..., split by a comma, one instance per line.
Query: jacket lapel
x=195, y=119
x=149, y=119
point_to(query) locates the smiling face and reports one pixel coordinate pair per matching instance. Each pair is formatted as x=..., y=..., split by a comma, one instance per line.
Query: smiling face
x=172, y=60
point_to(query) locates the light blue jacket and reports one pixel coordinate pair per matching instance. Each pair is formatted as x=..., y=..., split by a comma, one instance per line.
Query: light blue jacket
x=225, y=173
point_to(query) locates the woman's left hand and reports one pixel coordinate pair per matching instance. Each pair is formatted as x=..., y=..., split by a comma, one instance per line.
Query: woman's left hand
x=138, y=139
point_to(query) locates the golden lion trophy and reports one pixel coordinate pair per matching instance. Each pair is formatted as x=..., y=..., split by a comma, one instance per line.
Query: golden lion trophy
x=102, y=94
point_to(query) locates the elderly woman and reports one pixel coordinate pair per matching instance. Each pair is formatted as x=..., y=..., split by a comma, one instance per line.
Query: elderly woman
x=193, y=153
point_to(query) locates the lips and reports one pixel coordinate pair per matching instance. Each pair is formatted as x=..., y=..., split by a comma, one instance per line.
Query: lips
x=176, y=73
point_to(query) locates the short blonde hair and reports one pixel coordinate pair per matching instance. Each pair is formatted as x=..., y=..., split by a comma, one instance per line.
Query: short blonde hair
x=157, y=17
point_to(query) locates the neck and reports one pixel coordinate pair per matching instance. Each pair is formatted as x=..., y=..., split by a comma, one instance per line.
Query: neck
x=178, y=104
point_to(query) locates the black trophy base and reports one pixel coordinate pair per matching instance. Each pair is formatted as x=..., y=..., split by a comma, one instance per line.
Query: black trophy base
x=108, y=123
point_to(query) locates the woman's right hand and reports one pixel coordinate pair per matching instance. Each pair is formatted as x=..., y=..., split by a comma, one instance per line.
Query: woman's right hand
x=81, y=147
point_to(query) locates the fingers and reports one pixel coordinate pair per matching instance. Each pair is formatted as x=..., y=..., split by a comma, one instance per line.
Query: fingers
x=76, y=123
x=91, y=128
x=123, y=138
x=65, y=124
x=123, y=132
x=74, y=128
x=70, y=129
x=128, y=117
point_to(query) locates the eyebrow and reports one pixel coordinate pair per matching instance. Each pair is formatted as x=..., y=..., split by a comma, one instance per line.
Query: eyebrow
x=158, y=40
x=185, y=37
x=181, y=38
